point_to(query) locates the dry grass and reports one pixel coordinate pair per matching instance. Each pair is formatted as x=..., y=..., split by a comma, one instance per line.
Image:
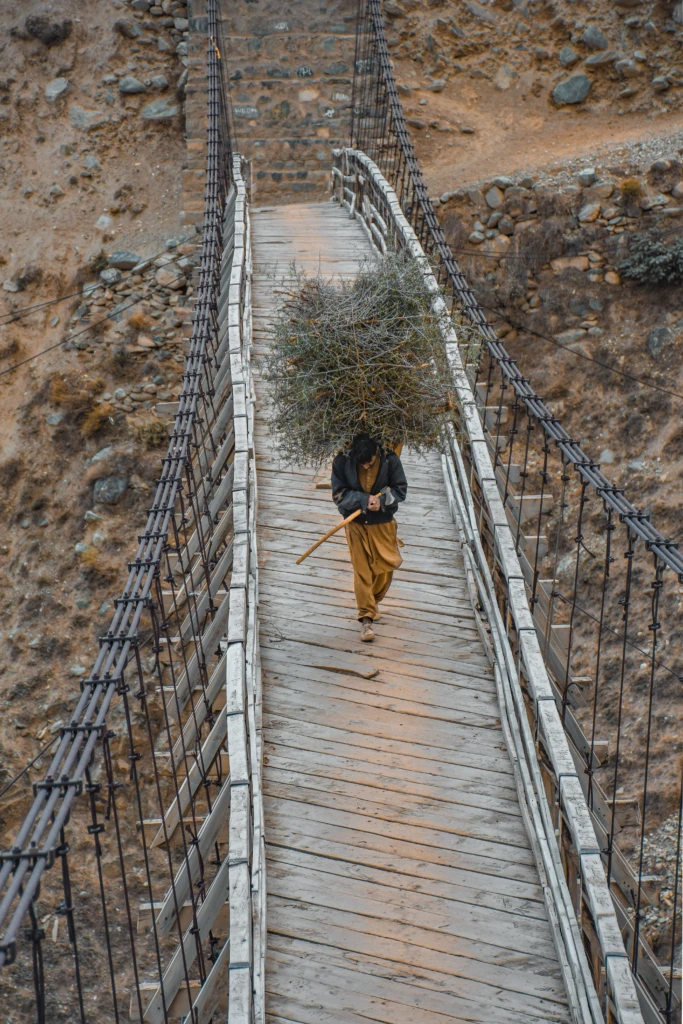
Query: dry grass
x=152, y=433
x=96, y=418
x=140, y=321
x=96, y=568
x=12, y=348
x=10, y=471
x=631, y=188
x=75, y=392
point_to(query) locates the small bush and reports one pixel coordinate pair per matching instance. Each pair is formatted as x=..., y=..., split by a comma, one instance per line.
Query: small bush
x=152, y=434
x=11, y=348
x=140, y=321
x=96, y=418
x=75, y=392
x=98, y=263
x=652, y=262
x=96, y=568
x=631, y=188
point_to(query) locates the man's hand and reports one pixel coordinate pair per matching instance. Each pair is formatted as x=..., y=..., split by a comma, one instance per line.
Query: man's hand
x=373, y=503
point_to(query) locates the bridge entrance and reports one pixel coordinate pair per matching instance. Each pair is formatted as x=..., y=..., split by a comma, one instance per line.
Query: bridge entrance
x=291, y=80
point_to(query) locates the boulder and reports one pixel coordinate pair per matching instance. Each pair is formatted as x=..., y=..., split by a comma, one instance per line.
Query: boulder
x=127, y=29
x=606, y=457
x=611, y=277
x=599, y=190
x=160, y=111
x=569, y=337
x=589, y=213
x=677, y=190
x=568, y=56
x=55, y=89
x=494, y=197
x=497, y=246
x=110, y=489
x=110, y=276
x=170, y=277
x=482, y=13
x=123, y=259
x=599, y=60
x=504, y=78
x=656, y=340
x=660, y=83
x=651, y=202
x=129, y=85
x=572, y=90
x=563, y=263
x=86, y=120
x=627, y=68
x=159, y=82
x=594, y=38
x=587, y=176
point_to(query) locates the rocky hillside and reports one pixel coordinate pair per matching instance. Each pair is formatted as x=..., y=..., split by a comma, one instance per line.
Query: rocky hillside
x=91, y=154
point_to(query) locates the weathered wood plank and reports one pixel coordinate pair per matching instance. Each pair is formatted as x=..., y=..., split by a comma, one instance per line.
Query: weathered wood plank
x=402, y=886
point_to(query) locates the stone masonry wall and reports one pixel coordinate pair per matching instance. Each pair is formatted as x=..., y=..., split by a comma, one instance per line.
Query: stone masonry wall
x=291, y=73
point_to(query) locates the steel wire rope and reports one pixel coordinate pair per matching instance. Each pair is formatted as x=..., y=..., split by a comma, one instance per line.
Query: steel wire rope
x=18, y=314
x=29, y=765
x=537, y=255
x=581, y=355
x=465, y=296
x=96, y=696
x=637, y=524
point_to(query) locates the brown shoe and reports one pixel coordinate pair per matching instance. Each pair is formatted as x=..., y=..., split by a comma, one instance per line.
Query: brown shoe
x=367, y=633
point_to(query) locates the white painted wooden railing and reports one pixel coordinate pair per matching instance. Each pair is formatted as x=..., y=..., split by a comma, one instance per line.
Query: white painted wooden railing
x=246, y=853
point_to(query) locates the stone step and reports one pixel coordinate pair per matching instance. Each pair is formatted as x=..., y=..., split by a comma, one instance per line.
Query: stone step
x=303, y=44
x=301, y=22
x=287, y=67
x=291, y=77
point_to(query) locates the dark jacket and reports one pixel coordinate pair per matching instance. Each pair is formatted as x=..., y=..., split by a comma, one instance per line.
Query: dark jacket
x=348, y=496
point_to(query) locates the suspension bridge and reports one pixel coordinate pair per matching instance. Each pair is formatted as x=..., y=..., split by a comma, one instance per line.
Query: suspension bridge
x=253, y=817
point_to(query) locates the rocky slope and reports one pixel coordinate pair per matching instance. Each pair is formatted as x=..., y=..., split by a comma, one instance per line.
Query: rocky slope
x=92, y=150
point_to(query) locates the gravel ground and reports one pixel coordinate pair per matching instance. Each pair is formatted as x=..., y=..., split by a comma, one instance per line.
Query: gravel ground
x=659, y=865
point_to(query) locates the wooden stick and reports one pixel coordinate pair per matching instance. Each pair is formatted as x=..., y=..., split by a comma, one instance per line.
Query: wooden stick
x=330, y=533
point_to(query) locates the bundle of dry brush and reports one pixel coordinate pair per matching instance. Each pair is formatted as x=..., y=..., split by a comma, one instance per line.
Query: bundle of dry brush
x=362, y=356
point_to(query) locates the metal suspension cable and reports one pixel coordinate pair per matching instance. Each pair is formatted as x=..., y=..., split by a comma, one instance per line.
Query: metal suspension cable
x=414, y=197
x=39, y=839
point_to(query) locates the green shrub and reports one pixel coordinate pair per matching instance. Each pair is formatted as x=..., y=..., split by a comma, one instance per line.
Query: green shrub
x=651, y=261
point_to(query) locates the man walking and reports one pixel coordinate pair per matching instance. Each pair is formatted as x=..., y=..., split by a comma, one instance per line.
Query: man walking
x=369, y=478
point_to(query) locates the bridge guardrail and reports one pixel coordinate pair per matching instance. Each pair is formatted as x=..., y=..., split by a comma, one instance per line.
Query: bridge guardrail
x=152, y=802
x=367, y=195
x=599, y=577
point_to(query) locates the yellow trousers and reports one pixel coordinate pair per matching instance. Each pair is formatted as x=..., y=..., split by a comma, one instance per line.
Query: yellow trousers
x=374, y=556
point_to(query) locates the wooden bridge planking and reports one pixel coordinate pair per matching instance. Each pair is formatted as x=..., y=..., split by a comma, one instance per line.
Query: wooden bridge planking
x=390, y=801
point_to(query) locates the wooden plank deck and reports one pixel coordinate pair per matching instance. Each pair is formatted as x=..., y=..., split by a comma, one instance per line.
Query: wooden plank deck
x=401, y=883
